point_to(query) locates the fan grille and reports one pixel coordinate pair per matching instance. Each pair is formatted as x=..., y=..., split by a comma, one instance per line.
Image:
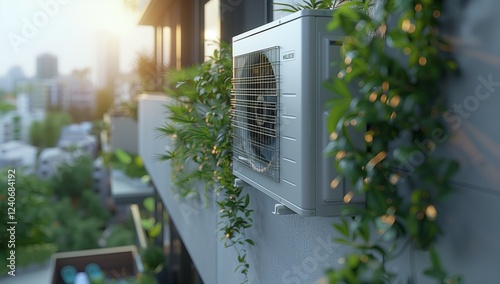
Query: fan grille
x=255, y=106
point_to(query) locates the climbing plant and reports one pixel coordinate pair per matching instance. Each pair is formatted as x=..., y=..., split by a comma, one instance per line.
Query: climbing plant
x=200, y=125
x=309, y=5
x=389, y=89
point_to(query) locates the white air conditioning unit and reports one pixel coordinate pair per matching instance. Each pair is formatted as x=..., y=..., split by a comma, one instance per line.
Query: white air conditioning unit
x=279, y=114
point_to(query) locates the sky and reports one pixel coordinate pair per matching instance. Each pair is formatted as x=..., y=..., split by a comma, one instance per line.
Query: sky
x=68, y=29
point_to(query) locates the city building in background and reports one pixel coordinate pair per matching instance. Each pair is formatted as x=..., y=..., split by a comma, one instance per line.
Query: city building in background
x=57, y=95
x=15, y=124
x=35, y=90
x=14, y=76
x=82, y=97
x=17, y=154
x=46, y=66
x=107, y=60
x=126, y=87
x=49, y=161
x=78, y=137
x=9, y=127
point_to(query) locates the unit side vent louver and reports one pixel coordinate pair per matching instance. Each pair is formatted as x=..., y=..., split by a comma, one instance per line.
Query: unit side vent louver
x=255, y=106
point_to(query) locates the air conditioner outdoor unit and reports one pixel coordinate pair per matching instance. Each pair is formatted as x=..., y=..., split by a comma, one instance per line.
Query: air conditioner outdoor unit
x=279, y=114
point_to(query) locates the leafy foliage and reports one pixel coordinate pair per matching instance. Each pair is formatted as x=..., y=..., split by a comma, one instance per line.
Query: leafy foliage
x=79, y=225
x=132, y=165
x=33, y=229
x=148, y=223
x=153, y=258
x=80, y=215
x=31, y=195
x=150, y=78
x=145, y=278
x=121, y=235
x=46, y=134
x=200, y=124
x=6, y=107
x=73, y=177
x=313, y=5
x=148, y=71
x=34, y=254
x=398, y=107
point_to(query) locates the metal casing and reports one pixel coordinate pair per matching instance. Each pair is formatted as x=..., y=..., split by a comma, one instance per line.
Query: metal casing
x=306, y=51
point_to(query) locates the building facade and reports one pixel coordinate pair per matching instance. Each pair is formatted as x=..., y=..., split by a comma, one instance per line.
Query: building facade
x=74, y=94
x=46, y=66
x=296, y=249
x=107, y=60
x=18, y=154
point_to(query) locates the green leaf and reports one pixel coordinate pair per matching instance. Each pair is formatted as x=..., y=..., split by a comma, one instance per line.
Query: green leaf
x=123, y=157
x=149, y=204
x=434, y=258
x=450, y=168
x=342, y=241
x=145, y=178
x=338, y=106
x=342, y=227
x=138, y=162
x=247, y=200
x=147, y=224
x=155, y=230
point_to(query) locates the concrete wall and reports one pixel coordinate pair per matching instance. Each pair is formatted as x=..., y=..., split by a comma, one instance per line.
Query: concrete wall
x=294, y=249
x=124, y=133
x=195, y=222
x=471, y=245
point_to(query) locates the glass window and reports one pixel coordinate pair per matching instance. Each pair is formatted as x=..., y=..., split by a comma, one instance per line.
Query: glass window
x=212, y=26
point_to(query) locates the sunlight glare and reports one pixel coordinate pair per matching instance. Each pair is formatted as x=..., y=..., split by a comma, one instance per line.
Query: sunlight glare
x=110, y=16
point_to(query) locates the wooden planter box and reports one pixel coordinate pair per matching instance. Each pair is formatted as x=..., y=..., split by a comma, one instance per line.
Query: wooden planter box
x=118, y=262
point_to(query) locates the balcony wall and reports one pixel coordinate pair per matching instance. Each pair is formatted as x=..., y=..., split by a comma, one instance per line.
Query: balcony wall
x=196, y=226
x=124, y=133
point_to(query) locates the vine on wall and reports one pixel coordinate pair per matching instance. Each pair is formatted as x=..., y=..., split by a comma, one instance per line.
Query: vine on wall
x=200, y=124
x=398, y=105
